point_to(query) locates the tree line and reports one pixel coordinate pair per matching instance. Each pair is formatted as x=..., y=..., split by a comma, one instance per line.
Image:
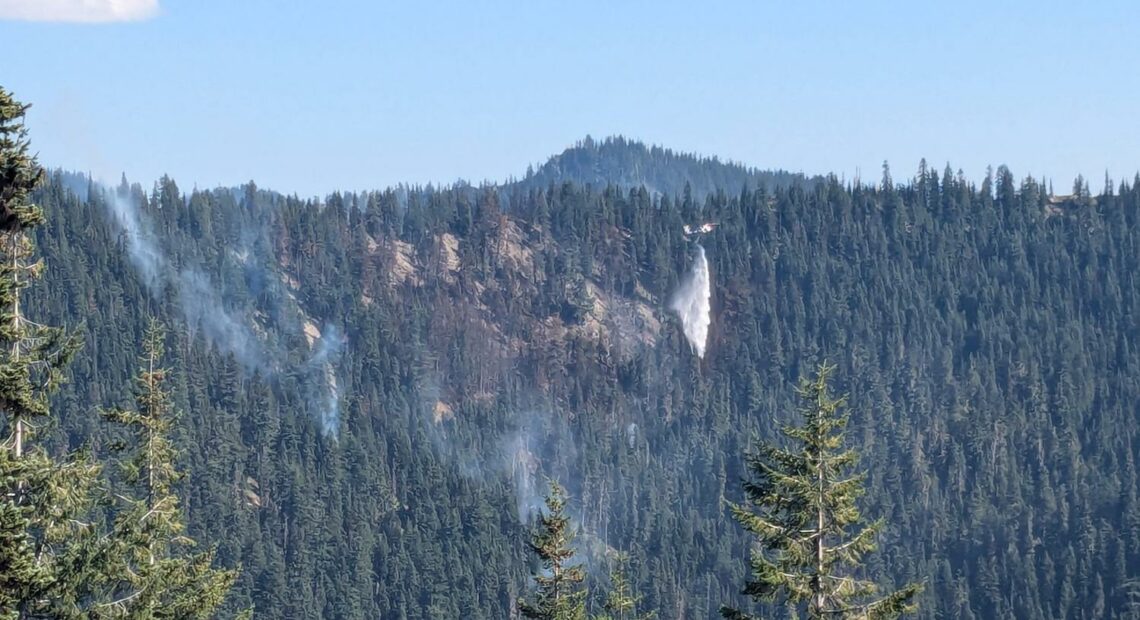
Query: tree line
x=71, y=544
x=800, y=507
x=494, y=332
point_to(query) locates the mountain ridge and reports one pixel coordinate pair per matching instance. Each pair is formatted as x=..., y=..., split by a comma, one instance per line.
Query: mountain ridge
x=483, y=345
x=616, y=160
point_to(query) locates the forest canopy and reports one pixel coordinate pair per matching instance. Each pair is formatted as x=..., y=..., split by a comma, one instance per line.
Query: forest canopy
x=375, y=384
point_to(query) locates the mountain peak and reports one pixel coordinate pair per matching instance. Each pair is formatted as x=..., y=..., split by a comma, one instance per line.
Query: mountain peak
x=631, y=163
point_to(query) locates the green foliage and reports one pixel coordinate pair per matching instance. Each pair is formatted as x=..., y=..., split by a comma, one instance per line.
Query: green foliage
x=57, y=557
x=47, y=542
x=34, y=354
x=560, y=595
x=43, y=499
x=152, y=570
x=628, y=163
x=19, y=171
x=987, y=340
x=151, y=468
x=622, y=600
x=801, y=510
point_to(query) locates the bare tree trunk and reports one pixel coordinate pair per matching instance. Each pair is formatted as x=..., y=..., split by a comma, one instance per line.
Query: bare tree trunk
x=818, y=585
x=19, y=448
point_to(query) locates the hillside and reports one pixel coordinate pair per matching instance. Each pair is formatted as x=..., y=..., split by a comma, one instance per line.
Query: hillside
x=373, y=388
x=632, y=164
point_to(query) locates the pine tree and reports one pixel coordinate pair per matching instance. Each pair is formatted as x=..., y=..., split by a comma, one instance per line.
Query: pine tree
x=801, y=506
x=34, y=354
x=155, y=572
x=45, y=543
x=621, y=600
x=560, y=595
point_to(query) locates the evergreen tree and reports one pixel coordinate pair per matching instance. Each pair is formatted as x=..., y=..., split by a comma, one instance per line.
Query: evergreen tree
x=155, y=573
x=560, y=595
x=44, y=542
x=801, y=506
x=996, y=348
x=621, y=600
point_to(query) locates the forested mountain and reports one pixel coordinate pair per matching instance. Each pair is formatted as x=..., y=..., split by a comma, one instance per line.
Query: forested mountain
x=632, y=164
x=375, y=386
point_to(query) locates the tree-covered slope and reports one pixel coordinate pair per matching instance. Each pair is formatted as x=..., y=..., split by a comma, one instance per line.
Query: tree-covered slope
x=374, y=387
x=632, y=164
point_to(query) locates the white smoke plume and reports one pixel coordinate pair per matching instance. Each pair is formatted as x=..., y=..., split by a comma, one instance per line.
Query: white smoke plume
x=203, y=309
x=323, y=362
x=536, y=446
x=524, y=467
x=692, y=305
x=539, y=447
x=141, y=248
x=200, y=303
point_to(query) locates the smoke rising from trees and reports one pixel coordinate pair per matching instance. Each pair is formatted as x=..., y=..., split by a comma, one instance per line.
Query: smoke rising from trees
x=203, y=309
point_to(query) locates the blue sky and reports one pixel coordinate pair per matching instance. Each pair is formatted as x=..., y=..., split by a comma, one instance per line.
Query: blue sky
x=310, y=97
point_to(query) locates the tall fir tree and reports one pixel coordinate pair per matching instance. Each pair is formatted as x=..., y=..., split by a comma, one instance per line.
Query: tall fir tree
x=560, y=594
x=622, y=600
x=155, y=571
x=46, y=541
x=801, y=508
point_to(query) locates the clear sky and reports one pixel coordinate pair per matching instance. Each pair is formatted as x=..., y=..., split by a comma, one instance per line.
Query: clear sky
x=309, y=97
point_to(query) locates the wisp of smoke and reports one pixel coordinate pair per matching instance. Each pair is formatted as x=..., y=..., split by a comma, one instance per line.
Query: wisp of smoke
x=691, y=303
x=323, y=361
x=141, y=248
x=203, y=308
x=539, y=445
x=199, y=301
x=524, y=469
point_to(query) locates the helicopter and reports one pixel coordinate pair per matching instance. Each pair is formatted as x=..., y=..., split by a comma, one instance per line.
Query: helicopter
x=705, y=228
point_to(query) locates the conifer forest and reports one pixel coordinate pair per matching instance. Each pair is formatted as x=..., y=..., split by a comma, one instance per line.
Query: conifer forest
x=631, y=383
